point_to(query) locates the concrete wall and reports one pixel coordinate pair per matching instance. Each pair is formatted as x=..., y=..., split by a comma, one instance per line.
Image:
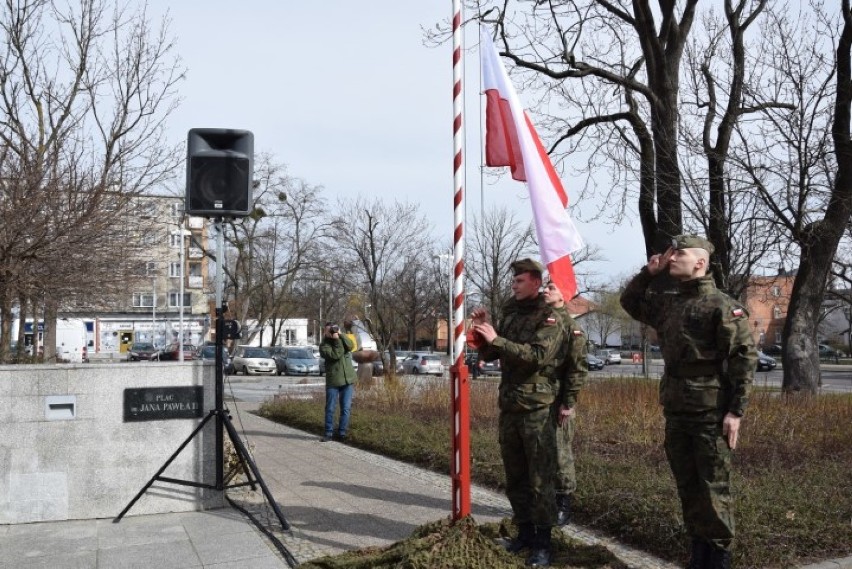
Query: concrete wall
x=92, y=465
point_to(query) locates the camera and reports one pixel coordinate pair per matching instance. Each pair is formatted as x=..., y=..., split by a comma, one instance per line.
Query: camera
x=334, y=328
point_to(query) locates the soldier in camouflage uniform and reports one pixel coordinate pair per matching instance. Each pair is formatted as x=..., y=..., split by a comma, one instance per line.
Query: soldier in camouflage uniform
x=570, y=374
x=527, y=341
x=709, y=359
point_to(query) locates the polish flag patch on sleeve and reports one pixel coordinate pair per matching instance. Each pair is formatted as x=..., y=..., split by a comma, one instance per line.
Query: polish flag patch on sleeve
x=578, y=332
x=550, y=321
x=737, y=312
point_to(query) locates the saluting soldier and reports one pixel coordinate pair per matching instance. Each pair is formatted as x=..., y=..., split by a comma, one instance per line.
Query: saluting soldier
x=569, y=376
x=709, y=360
x=526, y=343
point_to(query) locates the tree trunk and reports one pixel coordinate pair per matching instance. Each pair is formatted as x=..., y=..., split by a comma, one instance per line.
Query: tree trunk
x=647, y=187
x=23, y=304
x=719, y=222
x=819, y=244
x=51, y=309
x=801, y=356
x=664, y=125
x=5, y=324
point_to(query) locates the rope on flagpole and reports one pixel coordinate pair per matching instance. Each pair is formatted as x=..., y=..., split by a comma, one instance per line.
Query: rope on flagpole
x=460, y=463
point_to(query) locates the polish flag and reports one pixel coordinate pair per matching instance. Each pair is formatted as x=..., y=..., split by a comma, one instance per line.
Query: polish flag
x=511, y=140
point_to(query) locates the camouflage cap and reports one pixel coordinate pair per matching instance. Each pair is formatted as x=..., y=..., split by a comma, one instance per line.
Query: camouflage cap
x=526, y=266
x=692, y=242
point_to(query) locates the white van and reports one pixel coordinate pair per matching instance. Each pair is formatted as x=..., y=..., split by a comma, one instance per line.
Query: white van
x=71, y=340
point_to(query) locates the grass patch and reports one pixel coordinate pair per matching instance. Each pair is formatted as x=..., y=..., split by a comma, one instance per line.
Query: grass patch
x=791, y=472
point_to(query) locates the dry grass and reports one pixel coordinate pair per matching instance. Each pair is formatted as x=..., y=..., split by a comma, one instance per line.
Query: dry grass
x=792, y=470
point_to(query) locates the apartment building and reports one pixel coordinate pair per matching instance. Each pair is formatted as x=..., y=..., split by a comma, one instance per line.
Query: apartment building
x=165, y=287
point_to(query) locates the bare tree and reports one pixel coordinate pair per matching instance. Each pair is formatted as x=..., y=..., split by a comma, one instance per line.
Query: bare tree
x=607, y=45
x=493, y=243
x=801, y=166
x=280, y=240
x=378, y=246
x=84, y=92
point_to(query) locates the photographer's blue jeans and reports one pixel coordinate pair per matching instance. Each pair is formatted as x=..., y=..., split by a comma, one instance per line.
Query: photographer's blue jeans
x=332, y=394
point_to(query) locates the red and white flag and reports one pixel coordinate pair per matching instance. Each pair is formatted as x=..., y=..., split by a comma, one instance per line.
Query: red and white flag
x=511, y=140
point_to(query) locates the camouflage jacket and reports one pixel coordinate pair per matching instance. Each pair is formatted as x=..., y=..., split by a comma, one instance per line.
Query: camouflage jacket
x=706, y=343
x=527, y=342
x=571, y=365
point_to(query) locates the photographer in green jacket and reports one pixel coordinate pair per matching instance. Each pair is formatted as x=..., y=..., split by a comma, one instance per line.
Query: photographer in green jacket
x=336, y=351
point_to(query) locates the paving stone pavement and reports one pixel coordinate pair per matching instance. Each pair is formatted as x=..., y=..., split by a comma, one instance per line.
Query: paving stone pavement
x=337, y=498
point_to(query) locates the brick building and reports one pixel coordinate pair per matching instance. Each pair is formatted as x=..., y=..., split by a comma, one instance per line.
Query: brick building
x=767, y=299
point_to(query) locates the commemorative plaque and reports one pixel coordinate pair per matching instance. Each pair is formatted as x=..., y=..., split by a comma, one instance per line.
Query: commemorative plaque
x=161, y=403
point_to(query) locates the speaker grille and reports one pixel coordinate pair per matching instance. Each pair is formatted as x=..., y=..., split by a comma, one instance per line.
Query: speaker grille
x=219, y=185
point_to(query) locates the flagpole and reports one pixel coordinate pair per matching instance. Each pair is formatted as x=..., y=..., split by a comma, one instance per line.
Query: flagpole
x=460, y=395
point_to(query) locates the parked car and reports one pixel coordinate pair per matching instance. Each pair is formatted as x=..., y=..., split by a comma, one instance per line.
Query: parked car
x=296, y=361
x=773, y=350
x=172, y=352
x=826, y=351
x=479, y=367
x=423, y=362
x=594, y=362
x=765, y=363
x=277, y=353
x=609, y=356
x=141, y=351
x=379, y=366
x=315, y=351
x=253, y=361
x=208, y=354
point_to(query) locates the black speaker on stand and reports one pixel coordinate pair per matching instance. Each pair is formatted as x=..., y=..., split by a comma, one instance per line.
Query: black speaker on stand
x=219, y=170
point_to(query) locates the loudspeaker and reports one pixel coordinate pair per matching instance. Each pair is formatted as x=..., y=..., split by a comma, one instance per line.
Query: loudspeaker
x=219, y=171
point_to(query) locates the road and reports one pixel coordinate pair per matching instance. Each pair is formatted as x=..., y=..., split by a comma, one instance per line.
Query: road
x=835, y=379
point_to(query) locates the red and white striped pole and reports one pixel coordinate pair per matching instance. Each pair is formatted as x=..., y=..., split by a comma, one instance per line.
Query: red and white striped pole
x=460, y=395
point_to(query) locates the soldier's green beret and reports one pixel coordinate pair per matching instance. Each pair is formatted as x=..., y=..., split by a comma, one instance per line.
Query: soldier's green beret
x=692, y=242
x=526, y=266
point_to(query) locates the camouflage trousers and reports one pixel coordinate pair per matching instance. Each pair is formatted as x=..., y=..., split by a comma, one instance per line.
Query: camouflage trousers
x=528, y=448
x=566, y=475
x=700, y=460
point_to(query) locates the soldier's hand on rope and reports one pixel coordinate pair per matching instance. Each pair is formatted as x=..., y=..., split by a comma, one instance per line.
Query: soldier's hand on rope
x=731, y=429
x=486, y=331
x=480, y=315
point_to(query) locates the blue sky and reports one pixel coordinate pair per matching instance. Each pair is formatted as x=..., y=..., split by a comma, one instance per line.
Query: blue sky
x=346, y=94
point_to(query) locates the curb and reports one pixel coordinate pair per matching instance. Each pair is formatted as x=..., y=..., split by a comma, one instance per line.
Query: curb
x=844, y=563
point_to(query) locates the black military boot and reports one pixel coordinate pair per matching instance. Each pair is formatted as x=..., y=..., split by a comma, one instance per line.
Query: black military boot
x=540, y=555
x=526, y=534
x=563, y=509
x=719, y=559
x=700, y=556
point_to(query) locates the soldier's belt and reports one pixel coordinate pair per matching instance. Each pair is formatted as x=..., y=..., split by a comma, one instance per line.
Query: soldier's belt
x=695, y=369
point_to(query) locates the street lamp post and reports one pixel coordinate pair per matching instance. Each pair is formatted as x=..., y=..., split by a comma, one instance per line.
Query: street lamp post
x=449, y=258
x=153, y=301
x=181, y=262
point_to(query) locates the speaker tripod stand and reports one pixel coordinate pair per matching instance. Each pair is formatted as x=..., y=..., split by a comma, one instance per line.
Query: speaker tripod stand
x=222, y=422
